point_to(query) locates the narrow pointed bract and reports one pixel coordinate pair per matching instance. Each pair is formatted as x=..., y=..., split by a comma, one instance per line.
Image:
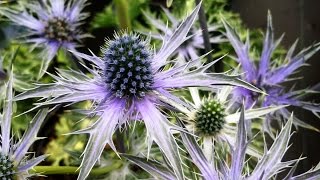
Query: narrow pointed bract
x=14, y=161
x=266, y=168
x=192, y=43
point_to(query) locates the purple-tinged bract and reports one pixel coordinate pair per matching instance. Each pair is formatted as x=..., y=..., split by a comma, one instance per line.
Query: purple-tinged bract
x=194, y=42
x=14, y=157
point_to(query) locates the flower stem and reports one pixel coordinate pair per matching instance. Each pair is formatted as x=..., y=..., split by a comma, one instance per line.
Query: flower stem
x=123, y=14
x=50, y=170
x=206, y=37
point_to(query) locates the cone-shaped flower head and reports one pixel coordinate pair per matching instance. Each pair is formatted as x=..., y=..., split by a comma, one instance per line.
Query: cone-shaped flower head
x=213, y=118
x=50, y=25
x=14, y=161
x=270, y=75
x=210, y=118
x=128, y=71
x=129, y=83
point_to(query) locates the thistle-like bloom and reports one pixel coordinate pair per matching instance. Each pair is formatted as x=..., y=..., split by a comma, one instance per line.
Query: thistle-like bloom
x=269, y=75
x=128, y=83
x=213, y=119
x=14, y=161
x=269, y=165
x=194, y=42
x=50, y=24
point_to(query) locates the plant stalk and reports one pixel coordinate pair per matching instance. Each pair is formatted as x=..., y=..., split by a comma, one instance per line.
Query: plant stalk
x=123, y=14
x=50, y=170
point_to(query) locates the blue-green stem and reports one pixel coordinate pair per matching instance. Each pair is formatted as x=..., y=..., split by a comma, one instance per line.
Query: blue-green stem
x=51, y=170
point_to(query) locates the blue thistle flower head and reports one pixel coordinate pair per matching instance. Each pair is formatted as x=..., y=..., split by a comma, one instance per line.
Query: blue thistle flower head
x=50, y=25
x=271, y=76
x=128, y=72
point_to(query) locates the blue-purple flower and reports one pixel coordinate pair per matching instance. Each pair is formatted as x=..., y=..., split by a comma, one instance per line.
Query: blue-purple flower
x=128, y=83
x=194, y=42
x=14, y=158
x=50, y=25
x=270, y=76
x=268, y=166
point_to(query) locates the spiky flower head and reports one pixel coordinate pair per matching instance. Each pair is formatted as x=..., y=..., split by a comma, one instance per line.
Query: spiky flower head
x=14, y=161
x=128, y=72
x=210, y=118
x=128, y=83
x=6, y=167
x=270, y=76
x=50, y=25
x=214, y=118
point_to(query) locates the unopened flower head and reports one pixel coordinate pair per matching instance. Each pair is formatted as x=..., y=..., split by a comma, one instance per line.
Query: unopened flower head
x=50, y=25
x=210, y=118
x=129, y=83
x=214, y=118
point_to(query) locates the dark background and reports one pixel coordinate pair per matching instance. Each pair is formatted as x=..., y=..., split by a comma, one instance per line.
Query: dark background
x=297, y=19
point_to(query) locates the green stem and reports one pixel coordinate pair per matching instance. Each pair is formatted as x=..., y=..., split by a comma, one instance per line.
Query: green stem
x=123, y=14
x=49, y=170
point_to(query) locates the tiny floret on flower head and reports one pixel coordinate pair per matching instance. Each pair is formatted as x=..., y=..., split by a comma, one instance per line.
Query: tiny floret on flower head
x=124, y=58
x=210, y=118
x=6, y=167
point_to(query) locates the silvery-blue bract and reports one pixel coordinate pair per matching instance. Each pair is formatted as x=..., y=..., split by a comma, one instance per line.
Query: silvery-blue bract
x=194, y=42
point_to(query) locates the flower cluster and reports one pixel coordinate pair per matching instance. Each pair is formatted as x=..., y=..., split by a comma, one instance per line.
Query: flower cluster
x=196, y=123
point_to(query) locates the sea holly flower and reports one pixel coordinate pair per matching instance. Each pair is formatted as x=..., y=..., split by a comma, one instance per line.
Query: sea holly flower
x=189, y=49
x=212, y=118
x=50, y=24
x=270, y=75
x=14, y=159
x=129, y=83
x=268, y=166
